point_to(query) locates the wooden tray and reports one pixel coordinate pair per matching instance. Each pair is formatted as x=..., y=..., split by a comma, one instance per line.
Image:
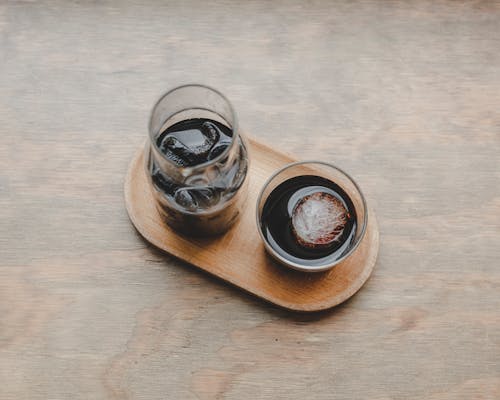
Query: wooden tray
x=239, y=256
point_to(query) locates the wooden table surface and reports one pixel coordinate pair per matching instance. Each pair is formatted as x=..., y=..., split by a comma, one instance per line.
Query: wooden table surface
x=403, y=95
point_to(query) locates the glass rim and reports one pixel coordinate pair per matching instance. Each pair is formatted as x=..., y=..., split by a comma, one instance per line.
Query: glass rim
x=298, y=266
x=206, y=164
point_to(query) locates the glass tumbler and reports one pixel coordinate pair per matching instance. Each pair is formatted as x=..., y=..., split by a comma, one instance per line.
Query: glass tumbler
x=204, y=198
x=281, y=243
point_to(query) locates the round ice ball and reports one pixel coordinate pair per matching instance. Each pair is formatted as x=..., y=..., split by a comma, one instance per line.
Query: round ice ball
x=318, y=220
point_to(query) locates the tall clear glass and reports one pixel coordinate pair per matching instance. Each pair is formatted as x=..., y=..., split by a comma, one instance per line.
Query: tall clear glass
x=203, y=199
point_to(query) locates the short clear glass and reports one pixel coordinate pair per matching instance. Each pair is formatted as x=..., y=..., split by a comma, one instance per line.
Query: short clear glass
x=343, y=181
x=207, y=198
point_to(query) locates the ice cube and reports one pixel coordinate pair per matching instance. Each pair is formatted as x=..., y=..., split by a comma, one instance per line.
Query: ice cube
x=162, y=182
x=218, y=149
x=190, y=147
x=177, y=151
x=211, y=132
x=318, y=220
x=197, y=198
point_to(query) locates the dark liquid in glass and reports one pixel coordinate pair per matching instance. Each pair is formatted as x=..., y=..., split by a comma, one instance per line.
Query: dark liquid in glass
x=277, y=226
x=194, y=207
x=194, y=141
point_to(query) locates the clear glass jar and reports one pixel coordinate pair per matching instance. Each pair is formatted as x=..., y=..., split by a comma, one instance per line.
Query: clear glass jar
x=205, y=198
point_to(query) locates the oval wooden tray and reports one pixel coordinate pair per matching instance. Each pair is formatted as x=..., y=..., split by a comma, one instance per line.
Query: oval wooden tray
x=239, y=256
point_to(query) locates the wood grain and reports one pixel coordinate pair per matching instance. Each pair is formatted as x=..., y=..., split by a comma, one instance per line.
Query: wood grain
x=239, y=256
x=403, y=95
